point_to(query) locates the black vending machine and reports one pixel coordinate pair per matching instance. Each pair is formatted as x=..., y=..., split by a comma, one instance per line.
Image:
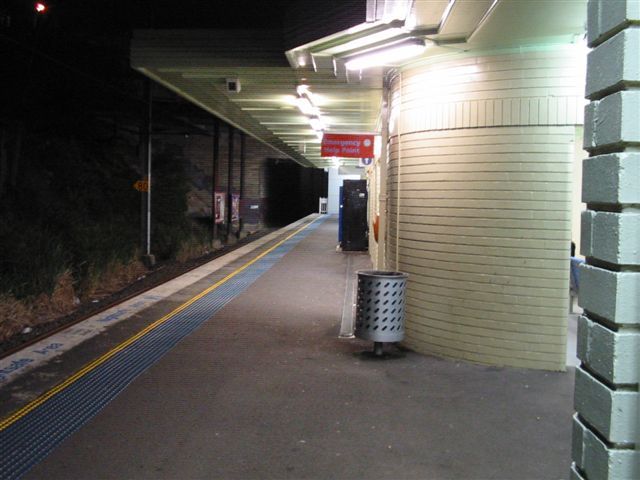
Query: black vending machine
x=354, y=224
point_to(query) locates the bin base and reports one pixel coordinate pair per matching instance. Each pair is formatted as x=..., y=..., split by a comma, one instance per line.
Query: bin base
x=380, y=353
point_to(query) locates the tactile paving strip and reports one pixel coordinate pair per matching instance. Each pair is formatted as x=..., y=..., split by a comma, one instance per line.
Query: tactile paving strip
x=26, y=441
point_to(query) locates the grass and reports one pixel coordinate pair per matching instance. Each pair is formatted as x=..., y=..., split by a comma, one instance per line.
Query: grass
x=71, y=227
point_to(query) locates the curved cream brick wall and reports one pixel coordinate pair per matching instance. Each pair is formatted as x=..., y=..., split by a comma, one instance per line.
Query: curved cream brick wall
x=482, y=181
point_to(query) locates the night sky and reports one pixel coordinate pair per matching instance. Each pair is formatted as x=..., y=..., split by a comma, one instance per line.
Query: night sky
x=86, y=16
x=76, y=54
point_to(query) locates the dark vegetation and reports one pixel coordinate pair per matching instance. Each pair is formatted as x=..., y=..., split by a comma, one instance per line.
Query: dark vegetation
x=72, y=208
x=170, y=226
x=71, y=110
x=69, y=147
x=71, y=116
x=64, y=178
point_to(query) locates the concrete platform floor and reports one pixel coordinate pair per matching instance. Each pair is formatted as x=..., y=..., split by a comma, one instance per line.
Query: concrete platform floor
x=265, y=389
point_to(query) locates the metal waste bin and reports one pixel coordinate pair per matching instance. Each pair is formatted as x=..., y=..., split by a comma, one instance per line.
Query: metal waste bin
x=380, y=306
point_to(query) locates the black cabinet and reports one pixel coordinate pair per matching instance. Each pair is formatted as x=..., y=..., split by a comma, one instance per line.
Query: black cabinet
x=354, y=215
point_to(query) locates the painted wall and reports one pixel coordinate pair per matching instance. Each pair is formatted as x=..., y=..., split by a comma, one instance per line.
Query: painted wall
x=198, y=154
x=480, y=191
x=577, y=205
x=335, y=182
x=277, y=190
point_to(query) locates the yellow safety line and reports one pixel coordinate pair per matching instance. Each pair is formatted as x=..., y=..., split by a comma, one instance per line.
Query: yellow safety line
x=96, y=363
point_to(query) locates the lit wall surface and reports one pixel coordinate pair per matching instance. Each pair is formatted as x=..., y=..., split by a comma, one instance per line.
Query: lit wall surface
x=479, y=186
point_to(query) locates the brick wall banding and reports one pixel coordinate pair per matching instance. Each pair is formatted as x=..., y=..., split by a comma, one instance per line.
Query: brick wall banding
x=479, y=186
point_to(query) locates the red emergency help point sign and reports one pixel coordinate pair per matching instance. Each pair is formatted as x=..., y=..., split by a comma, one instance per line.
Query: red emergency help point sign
x=347, y=145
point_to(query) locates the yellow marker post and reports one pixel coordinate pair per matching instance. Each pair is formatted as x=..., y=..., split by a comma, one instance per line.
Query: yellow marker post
x=141, y=185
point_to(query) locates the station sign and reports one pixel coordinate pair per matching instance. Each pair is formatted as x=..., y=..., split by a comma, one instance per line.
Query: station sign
x=347, y=145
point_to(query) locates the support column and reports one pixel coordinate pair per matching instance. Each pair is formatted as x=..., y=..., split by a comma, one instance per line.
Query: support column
x=230, y=185
x=146, y=157
x=381, y=259
x=478, y=218
x=215, y=174
x=243, y=146
x=606, y=426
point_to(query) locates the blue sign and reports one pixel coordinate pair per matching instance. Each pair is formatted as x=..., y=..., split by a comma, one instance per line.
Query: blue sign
x=365, y=162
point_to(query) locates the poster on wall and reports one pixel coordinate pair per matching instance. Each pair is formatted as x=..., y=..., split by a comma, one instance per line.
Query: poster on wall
x=235, y=207
x=218, y=198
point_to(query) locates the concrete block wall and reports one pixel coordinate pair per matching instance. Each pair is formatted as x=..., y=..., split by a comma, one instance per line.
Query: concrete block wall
x=479, y=188
x=606, y=433
x=252, y=206
x=199, y=152
x=336, y=180
x=198, y=155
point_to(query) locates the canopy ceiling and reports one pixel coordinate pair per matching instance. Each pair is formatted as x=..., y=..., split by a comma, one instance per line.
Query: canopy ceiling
x=197, y=63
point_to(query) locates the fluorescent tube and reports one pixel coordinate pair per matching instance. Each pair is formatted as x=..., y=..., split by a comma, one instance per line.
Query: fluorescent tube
x=386, y=55
x=316, y=123
x=305, y=106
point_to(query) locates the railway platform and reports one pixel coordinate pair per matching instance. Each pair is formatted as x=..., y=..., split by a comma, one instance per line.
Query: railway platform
x=241, y=374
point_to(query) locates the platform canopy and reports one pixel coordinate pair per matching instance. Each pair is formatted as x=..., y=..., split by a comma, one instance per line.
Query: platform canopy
x=197, y=64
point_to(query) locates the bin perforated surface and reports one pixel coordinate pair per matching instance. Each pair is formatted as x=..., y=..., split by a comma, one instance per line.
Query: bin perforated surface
x=380, y=306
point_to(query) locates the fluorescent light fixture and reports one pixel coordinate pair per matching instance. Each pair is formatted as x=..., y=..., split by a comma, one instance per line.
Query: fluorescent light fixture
x=363, y=42
x=305, y=101
x=316, y=123
x=303, y=90
x=305, y=106
x=386, y=55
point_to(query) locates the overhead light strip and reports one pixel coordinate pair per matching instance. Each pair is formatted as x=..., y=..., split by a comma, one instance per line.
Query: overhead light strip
x=386, y=55
x=306, y=105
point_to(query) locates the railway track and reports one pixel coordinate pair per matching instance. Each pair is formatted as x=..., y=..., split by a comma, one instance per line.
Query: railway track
x=162, y=274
